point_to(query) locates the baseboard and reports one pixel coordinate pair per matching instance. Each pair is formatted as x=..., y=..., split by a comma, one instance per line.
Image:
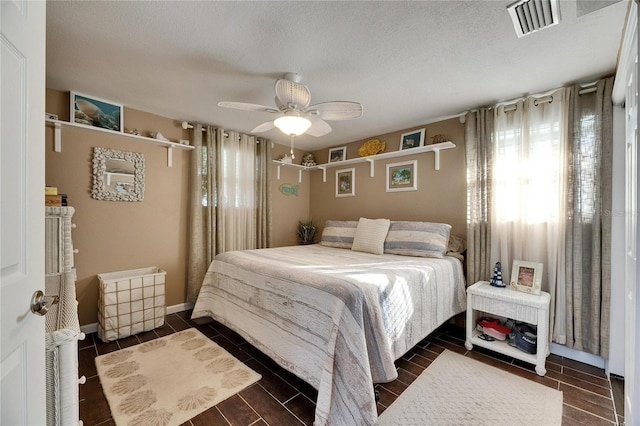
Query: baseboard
x=93, y=327
x=179, y=308
x=576, y=355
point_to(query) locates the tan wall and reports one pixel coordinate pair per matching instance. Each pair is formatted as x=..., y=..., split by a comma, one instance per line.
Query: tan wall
x=288, y=210
x=113, y=236
x=440, y=197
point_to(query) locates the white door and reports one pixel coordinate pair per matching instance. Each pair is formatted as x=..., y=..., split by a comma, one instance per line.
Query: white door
x=22, y=90
x=632, y=239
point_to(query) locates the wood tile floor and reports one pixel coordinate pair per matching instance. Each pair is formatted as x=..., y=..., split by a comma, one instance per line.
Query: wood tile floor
x=281, y=399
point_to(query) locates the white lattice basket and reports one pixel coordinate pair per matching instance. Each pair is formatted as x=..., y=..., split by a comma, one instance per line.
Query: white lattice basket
x=130, y=302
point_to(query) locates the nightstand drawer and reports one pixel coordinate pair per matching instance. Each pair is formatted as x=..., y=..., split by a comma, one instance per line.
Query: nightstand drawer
x=528, y=314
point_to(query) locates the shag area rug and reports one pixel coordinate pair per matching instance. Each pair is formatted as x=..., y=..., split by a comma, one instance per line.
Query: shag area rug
x=169, y=380
x=456, y=390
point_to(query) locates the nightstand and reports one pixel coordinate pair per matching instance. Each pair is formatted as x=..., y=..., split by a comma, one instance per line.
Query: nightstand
x=508, y=303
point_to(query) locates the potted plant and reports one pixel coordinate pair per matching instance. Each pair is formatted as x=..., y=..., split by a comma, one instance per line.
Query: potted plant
x=306, y=232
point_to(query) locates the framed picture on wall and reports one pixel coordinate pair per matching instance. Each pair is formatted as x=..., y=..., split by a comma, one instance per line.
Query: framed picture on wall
x=346, y=182
x=402, y=176
x=413, y=139
x=337, y=154
x=95, y=112
x=526, y=276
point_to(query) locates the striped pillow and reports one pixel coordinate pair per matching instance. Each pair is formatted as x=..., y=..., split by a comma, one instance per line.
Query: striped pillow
x=422, y=239
x=370, y=235
x=339, y=233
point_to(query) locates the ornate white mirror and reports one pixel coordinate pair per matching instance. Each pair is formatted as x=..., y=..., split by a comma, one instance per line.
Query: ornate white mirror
x=117, y=175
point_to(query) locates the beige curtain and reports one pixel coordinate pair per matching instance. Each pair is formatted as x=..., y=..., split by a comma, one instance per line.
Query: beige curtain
x=229, y=200
x=479, y=153
x=588, y=236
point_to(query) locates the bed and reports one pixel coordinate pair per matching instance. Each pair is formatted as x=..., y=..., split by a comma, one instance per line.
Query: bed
x=335, y=317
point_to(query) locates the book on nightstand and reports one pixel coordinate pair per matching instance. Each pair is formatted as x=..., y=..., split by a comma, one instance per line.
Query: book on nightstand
x=59, y=200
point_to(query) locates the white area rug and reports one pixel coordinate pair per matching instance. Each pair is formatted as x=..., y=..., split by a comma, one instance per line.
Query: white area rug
x=168, y=381
x=456, y=390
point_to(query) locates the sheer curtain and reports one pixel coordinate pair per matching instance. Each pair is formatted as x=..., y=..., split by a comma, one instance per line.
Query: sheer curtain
x=529, y=187
x=230, y=198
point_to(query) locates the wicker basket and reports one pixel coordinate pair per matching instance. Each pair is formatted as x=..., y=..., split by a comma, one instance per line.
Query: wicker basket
x=130, y=302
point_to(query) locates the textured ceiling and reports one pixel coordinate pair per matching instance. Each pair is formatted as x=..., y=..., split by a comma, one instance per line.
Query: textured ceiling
x=408, y=63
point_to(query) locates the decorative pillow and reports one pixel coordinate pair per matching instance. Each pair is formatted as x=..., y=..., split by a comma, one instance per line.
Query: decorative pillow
x=422, y=239
x=339, y=233
x=370, y=235
x=456, y=244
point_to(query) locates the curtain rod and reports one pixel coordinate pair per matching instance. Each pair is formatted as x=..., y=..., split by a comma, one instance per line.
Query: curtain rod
x=186, y=125
x=588, y=88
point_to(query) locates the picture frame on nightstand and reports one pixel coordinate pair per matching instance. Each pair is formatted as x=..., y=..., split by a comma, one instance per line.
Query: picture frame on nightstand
x=526, y=276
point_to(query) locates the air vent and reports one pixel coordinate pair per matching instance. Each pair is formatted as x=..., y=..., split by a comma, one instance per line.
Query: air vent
x=529, y=16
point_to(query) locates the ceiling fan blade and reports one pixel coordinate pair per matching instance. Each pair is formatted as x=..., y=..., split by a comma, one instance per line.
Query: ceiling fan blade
x=290, y=92
x=319, y=127
x=264, y=127
x=246, y=107
x=336, y=110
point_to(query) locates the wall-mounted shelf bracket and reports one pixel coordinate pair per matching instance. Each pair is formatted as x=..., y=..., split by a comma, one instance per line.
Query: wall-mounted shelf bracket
x=372, y=164
x=57, y=137
x=296, y=166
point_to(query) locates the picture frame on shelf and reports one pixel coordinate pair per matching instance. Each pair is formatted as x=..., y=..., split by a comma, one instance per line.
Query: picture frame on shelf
x=402, y=176
x=337, y=154
x=412, y=139
x=526, y=276
x=346, y=182
x=95, y=112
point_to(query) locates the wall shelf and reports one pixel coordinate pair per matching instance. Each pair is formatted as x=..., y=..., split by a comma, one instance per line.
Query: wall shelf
x=435, y=148
x=57, y=137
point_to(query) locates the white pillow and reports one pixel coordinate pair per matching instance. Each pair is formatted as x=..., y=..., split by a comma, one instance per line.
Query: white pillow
x=370, y=235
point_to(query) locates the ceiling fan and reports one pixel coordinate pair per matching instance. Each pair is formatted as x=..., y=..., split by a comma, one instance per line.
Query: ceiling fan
x=295, y=115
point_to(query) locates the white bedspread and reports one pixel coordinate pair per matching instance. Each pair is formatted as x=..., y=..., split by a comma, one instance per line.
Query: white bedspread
x=334, y=317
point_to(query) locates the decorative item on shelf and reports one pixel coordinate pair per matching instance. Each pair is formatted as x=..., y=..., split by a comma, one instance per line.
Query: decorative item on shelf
x=306, y=232
x=159, y=136
x=286, y=159
x=132, y=132
x=50, y=116
x=337, y=154
x=371, y=147
x=95, y=112
x=438, y=139
x=308, y=160
x=184, y=141
x=496, y=280
x=413, y=139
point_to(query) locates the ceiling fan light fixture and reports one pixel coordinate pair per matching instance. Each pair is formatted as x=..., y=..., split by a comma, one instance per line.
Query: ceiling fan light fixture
x=292, y=124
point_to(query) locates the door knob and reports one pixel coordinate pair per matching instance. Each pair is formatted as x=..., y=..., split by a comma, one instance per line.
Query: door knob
x=40, y=303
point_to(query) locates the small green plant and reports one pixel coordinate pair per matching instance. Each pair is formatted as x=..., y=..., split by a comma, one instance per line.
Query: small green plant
x=306, y=232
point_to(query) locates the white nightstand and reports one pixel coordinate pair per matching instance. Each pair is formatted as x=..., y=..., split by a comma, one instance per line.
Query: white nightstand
x=517, y=305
